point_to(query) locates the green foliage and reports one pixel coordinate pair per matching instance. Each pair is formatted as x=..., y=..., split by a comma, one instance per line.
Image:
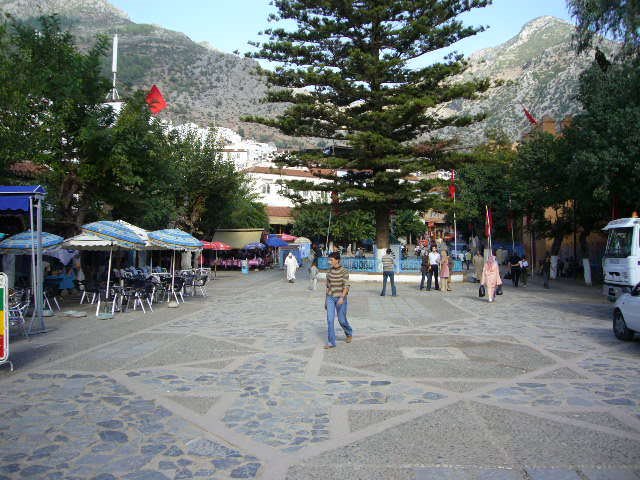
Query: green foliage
x=408, y=223
x=99, y=165
x=352, y=60
x=605, y=139
x=312, y=221
x=619, y=19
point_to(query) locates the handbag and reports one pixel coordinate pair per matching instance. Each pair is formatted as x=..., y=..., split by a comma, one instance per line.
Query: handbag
x=499, y=290
x=481, y=291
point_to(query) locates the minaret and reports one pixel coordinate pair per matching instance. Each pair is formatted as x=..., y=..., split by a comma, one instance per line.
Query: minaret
x=113, y=96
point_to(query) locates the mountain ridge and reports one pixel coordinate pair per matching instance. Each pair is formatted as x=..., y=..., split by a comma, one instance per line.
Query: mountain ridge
x=538, y=68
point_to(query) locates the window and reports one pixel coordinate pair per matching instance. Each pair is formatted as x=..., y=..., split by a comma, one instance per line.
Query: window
x=266, y=188
x=619, y=242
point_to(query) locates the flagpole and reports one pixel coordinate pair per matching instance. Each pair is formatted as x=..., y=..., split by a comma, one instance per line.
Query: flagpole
x=487, y=219
x=455, y=225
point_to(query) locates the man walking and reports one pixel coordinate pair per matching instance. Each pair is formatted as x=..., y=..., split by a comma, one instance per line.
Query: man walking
x=291, y=265
x=336, y=300
x=434, y=265
x=388, y=267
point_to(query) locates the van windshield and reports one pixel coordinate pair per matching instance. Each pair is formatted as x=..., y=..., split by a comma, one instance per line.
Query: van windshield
x=619, y=242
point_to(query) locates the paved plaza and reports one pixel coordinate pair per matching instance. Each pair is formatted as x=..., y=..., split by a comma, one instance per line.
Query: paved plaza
x=237, y=385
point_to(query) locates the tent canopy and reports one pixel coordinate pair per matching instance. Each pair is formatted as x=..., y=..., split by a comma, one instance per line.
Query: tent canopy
x=238, y=237
x=16, y=197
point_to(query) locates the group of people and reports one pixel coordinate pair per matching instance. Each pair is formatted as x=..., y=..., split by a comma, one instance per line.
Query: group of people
x=435, y=268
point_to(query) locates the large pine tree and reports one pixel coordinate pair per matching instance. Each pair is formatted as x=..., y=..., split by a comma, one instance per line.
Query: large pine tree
x=345, y=76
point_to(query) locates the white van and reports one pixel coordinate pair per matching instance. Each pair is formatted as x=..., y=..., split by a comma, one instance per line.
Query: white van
x=621, y=261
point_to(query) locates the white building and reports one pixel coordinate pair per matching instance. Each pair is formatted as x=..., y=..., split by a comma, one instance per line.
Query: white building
x=265, y=182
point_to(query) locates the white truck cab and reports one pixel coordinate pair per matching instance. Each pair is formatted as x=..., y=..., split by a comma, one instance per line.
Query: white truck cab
x=621, y=261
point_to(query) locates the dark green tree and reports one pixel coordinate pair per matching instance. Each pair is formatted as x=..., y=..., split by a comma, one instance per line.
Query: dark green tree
x=605, y=143
x=351, y=64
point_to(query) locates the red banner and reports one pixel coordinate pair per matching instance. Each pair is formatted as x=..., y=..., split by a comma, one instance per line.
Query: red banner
x=155, y=100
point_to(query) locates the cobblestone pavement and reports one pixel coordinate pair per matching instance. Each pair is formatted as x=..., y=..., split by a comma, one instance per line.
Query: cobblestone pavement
x=434, y=386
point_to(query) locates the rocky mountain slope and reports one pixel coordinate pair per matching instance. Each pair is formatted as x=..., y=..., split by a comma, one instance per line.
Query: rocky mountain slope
x=539, y=68
x=200, y=84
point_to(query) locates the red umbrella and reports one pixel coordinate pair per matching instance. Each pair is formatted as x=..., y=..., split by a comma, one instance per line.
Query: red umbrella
x=216, y=246
x=288, y=238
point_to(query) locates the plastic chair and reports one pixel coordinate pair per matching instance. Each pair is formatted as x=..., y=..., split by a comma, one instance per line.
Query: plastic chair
x=200, y=284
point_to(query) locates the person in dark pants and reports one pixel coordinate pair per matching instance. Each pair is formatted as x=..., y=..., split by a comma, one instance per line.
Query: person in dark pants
x=388, y=264
x=546, y=270
x=514, y=261
x=424, y=269
x=434, y=266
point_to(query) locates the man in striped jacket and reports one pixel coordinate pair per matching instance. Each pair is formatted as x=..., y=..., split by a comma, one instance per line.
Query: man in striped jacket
x=336, y=300
x=388, y=264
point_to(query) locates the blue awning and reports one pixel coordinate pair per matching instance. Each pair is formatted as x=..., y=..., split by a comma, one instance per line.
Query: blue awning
x=275, y=241
x=16, y=197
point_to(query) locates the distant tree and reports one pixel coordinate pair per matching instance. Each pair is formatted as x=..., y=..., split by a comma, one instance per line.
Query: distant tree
x=350, y=64
x=541, y=184
x=408, y=223
x=312, y=221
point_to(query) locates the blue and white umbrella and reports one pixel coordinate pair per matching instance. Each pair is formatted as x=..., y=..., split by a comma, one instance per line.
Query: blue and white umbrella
x=22, y=243
x=175, y=239
x=119, y=235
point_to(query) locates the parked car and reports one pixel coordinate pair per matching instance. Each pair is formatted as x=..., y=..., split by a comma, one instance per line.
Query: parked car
x=626, y=314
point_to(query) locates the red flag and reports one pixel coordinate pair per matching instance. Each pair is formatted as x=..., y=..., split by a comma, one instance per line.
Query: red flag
x=452, y=185
x=155, y=100
x=488, y=225
x=530, y=117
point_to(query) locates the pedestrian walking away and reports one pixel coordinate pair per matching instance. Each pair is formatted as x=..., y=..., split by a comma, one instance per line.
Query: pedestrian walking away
x=467, y=259
x=491, y=277
x=444, y=272
x=434, y=266
x=524, y=270
x=291, y=265
x=336, y=300
x=388, y=270
x=313, y=274
x=478, y=265
x=514, y=262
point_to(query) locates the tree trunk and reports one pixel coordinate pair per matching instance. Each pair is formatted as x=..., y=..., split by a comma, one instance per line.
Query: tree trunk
x=557, y=243
x=382, y=227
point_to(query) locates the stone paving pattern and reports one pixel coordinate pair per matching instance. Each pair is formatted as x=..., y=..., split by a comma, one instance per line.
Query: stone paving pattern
x=237, y=385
